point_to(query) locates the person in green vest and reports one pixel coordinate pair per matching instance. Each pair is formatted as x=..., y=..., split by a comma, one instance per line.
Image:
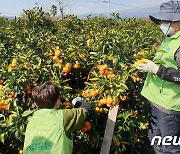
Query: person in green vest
x=162, y=85
x=49, y=129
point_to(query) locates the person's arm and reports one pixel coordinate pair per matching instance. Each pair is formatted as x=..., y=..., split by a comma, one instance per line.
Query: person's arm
x=74, y=119
x=79, y=103
x=171, y=74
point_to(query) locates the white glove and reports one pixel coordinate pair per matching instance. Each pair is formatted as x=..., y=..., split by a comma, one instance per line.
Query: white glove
x=76, y=99
x=150, y=67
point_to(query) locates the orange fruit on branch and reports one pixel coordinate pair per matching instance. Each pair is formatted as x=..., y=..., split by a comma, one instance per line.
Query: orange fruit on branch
x=111, y=57
x=66, y=69
x=102, y=72
x=136, y=75
x=81, y=56
x=141, y=61
x=110, y=76
x=10, y=68
x=55, y=58
x=103, y=67
x=109, y=100
x=14, y=60
x=27, y=64
x=2, y=102
x=94, y=93
x=77, y=65
x=135, y=112
x=124, y=98
x=117, y=143
x=103, y=101
x=87, y=124
x=4, y=107
x=85, y=93
x=11, y=95
x=97, y=109
x=89, y=42
x=28, y=88
x=84, y=129
x=100, y=104
x=144, y=127
x=60, y=61
x=138, y=79
x=65, y=74
x=68, y=65
x=66, y=104
x=13, y=65
x=58, y=53
x=111, y=72
x=106, y=72
x=29, y=92
x=20, y=152
x=1, y=87
x=109, y=104
x=91, y=32
x=101, y=110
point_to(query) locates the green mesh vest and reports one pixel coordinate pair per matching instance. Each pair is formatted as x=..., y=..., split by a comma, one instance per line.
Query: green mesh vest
x=45, y=134
x=163, y=93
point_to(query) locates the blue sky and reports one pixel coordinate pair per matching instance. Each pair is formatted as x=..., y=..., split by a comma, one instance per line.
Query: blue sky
x=15, y=7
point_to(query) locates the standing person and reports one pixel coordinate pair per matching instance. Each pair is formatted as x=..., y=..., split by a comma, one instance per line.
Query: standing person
x=49, y=129
x=162, y=84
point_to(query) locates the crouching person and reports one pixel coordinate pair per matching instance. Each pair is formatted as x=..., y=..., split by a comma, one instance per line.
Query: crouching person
x=49, y=129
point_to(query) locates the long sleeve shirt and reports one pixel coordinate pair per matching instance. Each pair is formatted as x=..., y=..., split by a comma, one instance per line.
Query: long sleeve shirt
x=171, y=74
x=75, y=118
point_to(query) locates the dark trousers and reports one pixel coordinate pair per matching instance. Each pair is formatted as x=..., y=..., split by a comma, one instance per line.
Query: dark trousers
x=162, y=124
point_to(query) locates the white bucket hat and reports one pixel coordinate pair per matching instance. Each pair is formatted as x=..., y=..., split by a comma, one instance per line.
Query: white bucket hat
x=169, y=11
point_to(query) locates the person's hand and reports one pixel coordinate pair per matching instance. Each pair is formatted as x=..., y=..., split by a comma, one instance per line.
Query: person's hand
x=74, y=101
x=150, y=67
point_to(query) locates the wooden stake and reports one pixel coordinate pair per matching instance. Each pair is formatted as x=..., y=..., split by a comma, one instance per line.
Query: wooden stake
x=112, y=115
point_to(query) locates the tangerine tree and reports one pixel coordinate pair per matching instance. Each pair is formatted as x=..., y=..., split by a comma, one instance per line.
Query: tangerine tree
x=92, y=58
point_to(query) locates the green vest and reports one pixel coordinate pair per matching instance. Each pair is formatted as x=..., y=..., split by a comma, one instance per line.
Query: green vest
x=45, y=134
x=163, y=93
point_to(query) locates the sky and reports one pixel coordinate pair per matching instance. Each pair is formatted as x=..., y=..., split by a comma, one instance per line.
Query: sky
x=78, y=7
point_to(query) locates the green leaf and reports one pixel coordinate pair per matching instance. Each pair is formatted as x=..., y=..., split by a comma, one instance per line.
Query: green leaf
x=67, y=88
x=27, y=113
x=93, y=79
x=115, y=138
x=1, y=115
x=2, y=138
x=93, y=53
x=115, y=61
x=124, y=85
x=17, y=134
